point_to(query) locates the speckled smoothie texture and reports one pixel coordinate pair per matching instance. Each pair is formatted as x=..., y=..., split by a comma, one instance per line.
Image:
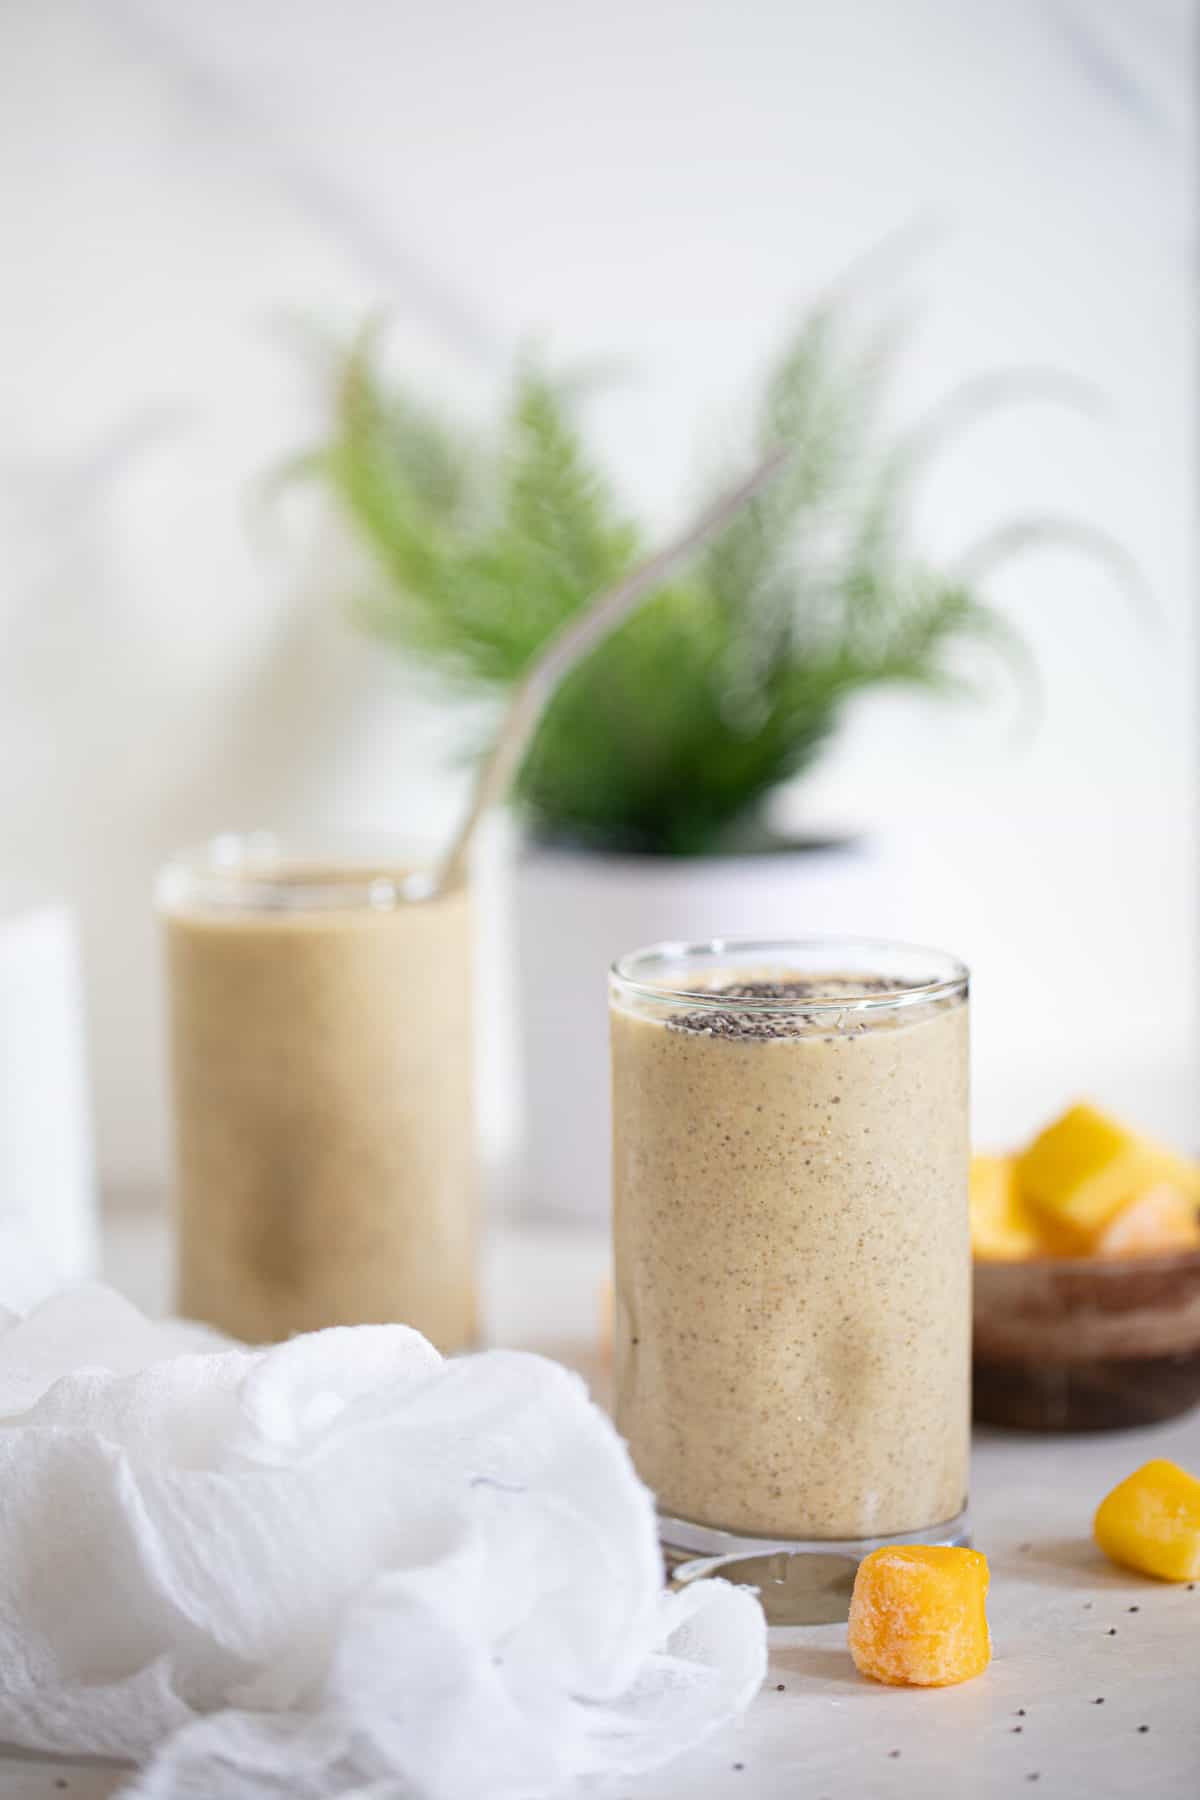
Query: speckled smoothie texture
x=323, y=1110
x=792, y=1332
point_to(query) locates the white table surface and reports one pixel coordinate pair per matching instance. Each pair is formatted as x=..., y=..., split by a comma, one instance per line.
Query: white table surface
x=1091, y=1654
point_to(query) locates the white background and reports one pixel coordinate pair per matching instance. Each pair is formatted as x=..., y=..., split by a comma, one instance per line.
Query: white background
x=659, y=181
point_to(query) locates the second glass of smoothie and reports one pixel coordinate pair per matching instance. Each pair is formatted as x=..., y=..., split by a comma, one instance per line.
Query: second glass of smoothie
x=321, y=1050
x=792, y=1330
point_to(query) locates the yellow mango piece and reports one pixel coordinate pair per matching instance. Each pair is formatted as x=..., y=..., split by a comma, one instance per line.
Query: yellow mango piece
x=1085, y=1167
x=1179, y=1172
x=1183, y=1173
x=1003, y=1226
x=918, y=1616
x=1160, y=1220
x=1151, y=1522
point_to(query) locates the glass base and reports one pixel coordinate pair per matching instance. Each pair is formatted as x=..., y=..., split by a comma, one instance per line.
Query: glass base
x=799, y=1581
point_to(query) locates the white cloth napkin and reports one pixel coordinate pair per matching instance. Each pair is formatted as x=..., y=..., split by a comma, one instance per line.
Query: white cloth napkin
x=342, y=1566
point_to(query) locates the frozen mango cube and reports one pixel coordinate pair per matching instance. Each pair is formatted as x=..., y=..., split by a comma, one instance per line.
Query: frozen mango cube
x=1160, y=1220
x=1151, y=1522
x=1003, y=1226
x=1183, y=1173
x=918, y=1616
x=1085, y=1167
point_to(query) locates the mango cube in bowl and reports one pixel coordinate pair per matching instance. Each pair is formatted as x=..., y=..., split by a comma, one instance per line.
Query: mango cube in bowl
x=1003, y=1227
x=1151, y=1522
x=1155, y=1223
x=1085, y=1167
x=918, y=1616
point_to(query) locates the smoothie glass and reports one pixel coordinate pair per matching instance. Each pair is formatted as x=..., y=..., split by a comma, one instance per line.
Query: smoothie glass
x=792, y=1326
x=321, y=1056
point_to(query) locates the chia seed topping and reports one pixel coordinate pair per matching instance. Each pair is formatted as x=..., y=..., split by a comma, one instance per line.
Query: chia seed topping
x=733, y=1023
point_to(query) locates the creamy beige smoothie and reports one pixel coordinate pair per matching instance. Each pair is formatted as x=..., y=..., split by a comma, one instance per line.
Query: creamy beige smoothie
x=792, y=1332
x=320, y=1047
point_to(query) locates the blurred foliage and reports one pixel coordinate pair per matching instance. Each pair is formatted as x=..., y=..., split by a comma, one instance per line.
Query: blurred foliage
x=731, y=679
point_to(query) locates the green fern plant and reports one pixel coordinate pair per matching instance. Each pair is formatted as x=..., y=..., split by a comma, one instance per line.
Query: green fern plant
x=726, y=683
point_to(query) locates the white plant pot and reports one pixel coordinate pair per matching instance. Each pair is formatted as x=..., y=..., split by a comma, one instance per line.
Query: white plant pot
x=576, y=911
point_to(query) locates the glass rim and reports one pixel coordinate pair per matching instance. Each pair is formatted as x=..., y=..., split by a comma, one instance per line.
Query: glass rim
x=952, y=978
x=270, y=872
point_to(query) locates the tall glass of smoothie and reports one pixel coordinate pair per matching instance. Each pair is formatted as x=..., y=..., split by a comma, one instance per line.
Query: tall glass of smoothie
x=792, y=1327
x=321, y=1058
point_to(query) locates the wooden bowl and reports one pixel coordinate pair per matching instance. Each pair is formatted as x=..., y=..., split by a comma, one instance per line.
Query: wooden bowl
x=1074, y=1344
